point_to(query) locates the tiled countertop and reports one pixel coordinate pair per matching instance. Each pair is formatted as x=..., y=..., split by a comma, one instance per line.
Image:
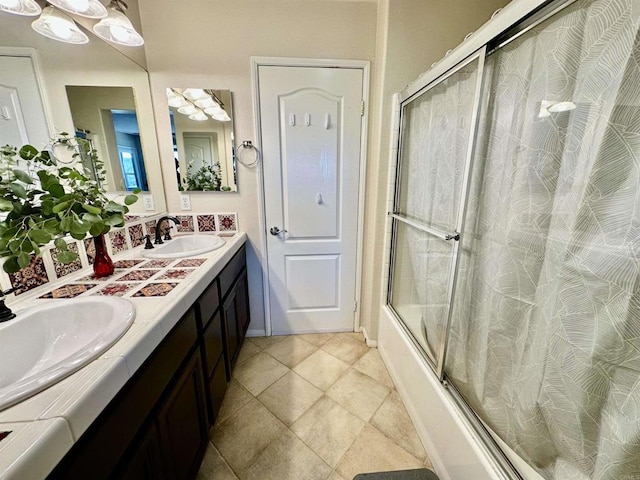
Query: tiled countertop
x=44, y=427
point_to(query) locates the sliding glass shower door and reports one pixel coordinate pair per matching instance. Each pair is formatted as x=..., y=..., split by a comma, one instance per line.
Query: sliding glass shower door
x=438, y=124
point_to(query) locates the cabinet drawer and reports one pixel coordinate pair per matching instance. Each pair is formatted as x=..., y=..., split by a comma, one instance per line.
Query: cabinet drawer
x=231, y=271
x=213, y=344
x=217, y=388
x=208, y=303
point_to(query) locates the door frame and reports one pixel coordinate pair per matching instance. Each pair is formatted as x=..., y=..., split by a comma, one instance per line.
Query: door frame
x=363, y=65
x=32, y=53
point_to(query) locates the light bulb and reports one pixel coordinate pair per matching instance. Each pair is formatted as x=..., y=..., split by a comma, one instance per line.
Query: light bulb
x=80, y=5
x=60, y=29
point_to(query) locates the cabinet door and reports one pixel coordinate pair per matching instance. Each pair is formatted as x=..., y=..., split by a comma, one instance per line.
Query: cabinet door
x=242, y=306
x=231, y=329
x=183, y=424
x=146, y=463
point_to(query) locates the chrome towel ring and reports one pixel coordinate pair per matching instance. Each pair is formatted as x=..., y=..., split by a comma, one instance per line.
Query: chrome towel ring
x=246, y=144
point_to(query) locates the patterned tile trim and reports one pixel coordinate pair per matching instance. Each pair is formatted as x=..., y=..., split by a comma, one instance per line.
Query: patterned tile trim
x=157, y=263
x=118, y=241
x=63, y=269
x=151, y=227
x=186, y=223
x=33, y=276
x=90, y=249
x=136, y=235
x=175, y=274
x=190, y=262
x=227, y=222
x=117, y=289
x=206, y=223
x=138, y=275
x=127, y=263
x=70, y=290
x=155, y=290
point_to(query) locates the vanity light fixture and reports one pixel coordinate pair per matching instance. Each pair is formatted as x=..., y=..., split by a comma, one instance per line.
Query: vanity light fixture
x=56, y=25
x=117, y=28
x=199, y=116
x=84, y=8
x=188, y=110
x=21, y=7
x=194, y=94
x=206, y=102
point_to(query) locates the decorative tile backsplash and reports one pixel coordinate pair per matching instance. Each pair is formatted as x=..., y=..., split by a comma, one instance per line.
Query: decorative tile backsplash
x=47, y=268
x=155, y=290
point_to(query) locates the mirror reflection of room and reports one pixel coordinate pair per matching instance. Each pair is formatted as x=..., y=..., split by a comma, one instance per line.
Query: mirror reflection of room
x=202, y=131
x=106, y=118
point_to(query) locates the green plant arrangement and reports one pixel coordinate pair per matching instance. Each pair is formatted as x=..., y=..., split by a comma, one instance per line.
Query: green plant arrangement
x=44, y=200
x=206, y=178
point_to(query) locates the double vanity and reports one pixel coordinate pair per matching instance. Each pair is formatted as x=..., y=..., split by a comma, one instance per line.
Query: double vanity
x=143, y=408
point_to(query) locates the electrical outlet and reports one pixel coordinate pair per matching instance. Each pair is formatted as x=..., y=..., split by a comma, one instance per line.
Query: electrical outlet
x=185, y=202
x=147, y=201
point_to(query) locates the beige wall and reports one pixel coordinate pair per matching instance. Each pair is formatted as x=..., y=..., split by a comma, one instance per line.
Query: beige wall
x=208, y=44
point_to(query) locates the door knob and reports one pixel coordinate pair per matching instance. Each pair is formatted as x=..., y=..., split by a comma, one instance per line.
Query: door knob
x=276, y=231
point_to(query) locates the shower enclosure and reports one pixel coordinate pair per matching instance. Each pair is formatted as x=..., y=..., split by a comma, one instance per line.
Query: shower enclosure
x=515, y=260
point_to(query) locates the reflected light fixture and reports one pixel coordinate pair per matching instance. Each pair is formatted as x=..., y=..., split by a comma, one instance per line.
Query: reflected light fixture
x=205, y=102
x=84, y=8
x=58, y=26
x=188, y=110
x=547, y=107
x=195, y=94
x=199, y=116
x=117, y=28
x=20, y=7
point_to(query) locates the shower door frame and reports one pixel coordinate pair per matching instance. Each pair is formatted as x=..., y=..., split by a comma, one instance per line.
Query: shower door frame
x=437, y=363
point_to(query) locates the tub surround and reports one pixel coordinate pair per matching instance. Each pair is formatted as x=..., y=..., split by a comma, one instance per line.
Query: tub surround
x=44, y=427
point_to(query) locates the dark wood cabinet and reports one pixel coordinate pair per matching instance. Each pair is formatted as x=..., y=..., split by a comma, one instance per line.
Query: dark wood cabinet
x=182, y=422
x=157, y=425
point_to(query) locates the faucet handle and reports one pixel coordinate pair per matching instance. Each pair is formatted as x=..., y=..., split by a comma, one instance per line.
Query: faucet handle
x=148, y=245
x=9, y=291
x=167, y=232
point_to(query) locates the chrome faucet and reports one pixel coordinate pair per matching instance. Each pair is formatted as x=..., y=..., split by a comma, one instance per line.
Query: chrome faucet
x=158, y=239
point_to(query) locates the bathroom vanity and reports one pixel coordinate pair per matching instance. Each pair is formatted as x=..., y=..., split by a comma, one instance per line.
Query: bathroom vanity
x=154, y=424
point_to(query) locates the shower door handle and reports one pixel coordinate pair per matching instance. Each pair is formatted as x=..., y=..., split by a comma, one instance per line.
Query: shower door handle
x=455, y=236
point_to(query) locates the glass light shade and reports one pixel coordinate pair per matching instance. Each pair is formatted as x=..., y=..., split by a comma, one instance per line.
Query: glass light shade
x=116, y=28
x=58, y=26
x=84, y=8
x=205, y=102
x=214, y=110
x=20, y=7
x=194, y=93
x=188, y=110
x=178, y=102
x=221, y=117
x=200, y=116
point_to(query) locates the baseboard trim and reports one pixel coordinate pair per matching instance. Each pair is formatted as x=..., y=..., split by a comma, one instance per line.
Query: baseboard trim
x=370, y=343
x=256, y=333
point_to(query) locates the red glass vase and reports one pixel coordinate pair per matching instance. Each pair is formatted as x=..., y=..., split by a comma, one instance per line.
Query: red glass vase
x=102, y=264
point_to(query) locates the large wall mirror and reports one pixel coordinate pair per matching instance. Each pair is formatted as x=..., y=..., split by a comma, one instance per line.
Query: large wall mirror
x=91, y=90
x=106, y=117
x=203, y=141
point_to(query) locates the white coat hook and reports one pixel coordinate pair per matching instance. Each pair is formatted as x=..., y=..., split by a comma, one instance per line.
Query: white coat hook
x=307, y=119
x=327, y=121
x=319, y=198
x=292, y=119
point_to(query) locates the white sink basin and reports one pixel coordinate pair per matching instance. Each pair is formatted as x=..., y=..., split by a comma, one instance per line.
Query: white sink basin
x=49, y=342
x=185, y=246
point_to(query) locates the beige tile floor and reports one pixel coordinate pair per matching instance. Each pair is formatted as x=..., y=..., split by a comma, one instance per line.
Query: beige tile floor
x=317, y=407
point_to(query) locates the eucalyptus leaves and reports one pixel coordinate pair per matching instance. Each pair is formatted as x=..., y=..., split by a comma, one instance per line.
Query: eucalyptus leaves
x=44, y=200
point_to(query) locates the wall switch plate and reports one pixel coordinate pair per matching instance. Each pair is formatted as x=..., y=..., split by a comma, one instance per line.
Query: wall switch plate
x=147, y=201
x=185, y=202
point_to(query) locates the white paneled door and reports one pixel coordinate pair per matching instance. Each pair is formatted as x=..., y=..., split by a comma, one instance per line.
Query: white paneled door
x=311, y=125
x=22, y=117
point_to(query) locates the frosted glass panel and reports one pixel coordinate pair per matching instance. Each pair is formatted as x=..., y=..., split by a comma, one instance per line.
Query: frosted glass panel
x=545, y=335
x=437, y=127
x=419, y=287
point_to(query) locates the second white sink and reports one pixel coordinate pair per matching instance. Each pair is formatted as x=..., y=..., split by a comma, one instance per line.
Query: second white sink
x=49, y=342
x=185, y=246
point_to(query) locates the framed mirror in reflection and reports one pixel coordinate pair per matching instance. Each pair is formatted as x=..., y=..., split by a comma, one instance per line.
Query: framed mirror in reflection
x=203, y=140
x=106, y=118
